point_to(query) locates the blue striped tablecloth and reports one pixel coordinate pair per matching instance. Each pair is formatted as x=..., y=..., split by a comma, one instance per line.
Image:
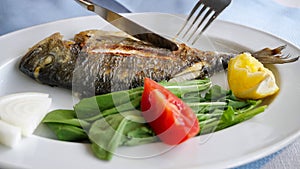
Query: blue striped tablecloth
x=266, y=15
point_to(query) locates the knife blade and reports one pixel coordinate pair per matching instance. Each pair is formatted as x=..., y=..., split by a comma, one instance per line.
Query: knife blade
x=128, y=26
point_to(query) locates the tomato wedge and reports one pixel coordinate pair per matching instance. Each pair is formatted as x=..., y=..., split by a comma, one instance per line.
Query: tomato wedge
x=171, y=119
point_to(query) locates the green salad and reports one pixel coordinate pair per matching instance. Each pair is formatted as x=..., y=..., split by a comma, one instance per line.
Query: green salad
x=111, y=120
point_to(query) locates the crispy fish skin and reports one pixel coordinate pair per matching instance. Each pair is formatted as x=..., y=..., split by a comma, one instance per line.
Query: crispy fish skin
x=116, y=63
x=98, y=62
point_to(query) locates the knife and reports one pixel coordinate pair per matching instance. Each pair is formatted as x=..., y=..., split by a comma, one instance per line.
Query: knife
x=129, y=26
x=112, y=5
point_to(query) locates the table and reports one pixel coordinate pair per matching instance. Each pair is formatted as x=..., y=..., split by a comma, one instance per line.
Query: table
x=278, y=17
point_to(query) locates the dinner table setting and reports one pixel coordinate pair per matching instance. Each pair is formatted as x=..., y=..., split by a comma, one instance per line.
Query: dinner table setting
x=276, y=18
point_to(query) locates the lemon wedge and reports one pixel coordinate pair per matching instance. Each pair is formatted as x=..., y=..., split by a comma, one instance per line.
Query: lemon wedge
x=249, y=79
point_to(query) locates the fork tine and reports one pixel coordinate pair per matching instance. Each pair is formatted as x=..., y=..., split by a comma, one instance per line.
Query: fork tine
x=194, y=21
x=210, y=9
x=190, y=15
x=204, y=28
x=201, y=22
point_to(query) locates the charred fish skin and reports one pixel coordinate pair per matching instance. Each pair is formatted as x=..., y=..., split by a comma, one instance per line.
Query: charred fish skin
x=51, y=61
x=113, y=63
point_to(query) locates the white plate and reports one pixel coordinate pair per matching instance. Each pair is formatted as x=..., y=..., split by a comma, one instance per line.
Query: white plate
x=264, y=134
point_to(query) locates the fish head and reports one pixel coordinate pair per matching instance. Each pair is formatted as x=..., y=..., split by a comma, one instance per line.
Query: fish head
x=45, y=59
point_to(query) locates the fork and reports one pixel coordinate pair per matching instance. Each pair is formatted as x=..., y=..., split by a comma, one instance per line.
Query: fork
x=208, y=8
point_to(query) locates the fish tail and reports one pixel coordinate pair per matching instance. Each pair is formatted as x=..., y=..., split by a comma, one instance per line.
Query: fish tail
x=274, y=56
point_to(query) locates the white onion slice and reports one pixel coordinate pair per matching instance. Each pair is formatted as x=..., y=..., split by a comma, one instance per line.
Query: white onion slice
x=24, y=110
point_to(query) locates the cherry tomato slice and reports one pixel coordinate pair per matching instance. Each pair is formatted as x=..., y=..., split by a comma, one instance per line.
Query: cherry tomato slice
x=170, y=118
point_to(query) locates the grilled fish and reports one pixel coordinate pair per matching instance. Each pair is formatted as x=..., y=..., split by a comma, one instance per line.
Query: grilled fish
x=97, y=62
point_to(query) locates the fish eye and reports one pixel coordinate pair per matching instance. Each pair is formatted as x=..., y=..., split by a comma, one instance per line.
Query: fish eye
x=48, y=60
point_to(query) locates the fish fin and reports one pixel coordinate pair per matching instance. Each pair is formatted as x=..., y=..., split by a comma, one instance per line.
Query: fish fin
x=189, y=73
x=274, y=56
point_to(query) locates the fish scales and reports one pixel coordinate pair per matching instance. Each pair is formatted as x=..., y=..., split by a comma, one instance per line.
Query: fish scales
x=98, y=62
x=114, y=67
